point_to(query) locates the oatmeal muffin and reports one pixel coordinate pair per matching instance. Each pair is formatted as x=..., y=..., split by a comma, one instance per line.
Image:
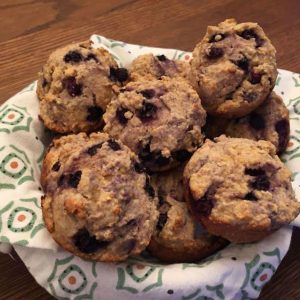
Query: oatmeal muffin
x=178, y=237
x=160, y=120
x=75, y=86
x=239, y=189
x=98, y=202
x=233, y=68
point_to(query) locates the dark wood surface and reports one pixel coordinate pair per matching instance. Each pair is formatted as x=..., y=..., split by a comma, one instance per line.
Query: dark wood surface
x=30, y=30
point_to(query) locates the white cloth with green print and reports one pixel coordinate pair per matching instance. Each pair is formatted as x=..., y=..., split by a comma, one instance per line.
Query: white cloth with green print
x=236, y=272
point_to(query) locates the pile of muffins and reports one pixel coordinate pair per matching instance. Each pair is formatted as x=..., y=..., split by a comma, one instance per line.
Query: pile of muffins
x=175, y=158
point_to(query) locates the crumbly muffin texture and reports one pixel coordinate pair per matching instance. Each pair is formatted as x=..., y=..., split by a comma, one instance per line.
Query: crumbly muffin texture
x=149, y=67
x=160, y=120
x=239, y=189
x=269, y=122
x=75, y=86
x=177, y=236
x=233, y=68
x=98, y=202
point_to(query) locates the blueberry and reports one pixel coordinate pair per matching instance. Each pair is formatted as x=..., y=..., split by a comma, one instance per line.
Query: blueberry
x=250, y=196
x=161, y=199
x=282, y=128
x=113, y=145
x=248, y=34
x=44, y=83
x=145, y=153
x=93, y=149
x=147, y=111
x=255, y=78
x=148, y=188
x=255, y=172
x=94, y=114
x=261, y=183
x=161, y=160
x=56, y=166
x=149, y=93
x=251, y=34
x=72, y=87
x=74, y=179
x=86, y=243
x=61, y=180
x=243, y=63
x=162, y=57
x=217, y=38
x=162, y=220
x=120, y=114
x=257, y=121
x=92, y=56
x=182, y=155
x=128, y=246
x=138, y=167
x=118, y=74
x=250, y=96
x=204, y=205
x=215, y=53
x=73, y=56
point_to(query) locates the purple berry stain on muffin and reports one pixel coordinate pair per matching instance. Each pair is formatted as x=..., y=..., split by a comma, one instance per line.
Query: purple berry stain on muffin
x=282, y=128
x=87, y=243
x=113, y=145
x=73, y=56
x=94, y=114
x=118, y=74
x=74, y=89
x=256, y=121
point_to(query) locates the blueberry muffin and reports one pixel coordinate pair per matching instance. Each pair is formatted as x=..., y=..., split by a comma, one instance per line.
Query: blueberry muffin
x=150, y=67
x=160, y=120
x=98, y=202
x=177, y=237
x=269, y=122
x=75, y=86
x=233, y=68
x=239, y=189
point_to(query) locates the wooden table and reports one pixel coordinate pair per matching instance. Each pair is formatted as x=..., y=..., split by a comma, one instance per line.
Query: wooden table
x=30, y=30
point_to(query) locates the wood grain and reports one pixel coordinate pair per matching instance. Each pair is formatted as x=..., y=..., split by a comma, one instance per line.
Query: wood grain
x=30, y=30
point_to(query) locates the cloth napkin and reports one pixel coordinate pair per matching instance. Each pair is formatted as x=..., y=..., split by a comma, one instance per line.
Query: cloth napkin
x=236, y=272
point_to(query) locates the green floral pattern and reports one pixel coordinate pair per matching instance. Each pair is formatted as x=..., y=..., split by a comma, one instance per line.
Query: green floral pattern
x=236, y=272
